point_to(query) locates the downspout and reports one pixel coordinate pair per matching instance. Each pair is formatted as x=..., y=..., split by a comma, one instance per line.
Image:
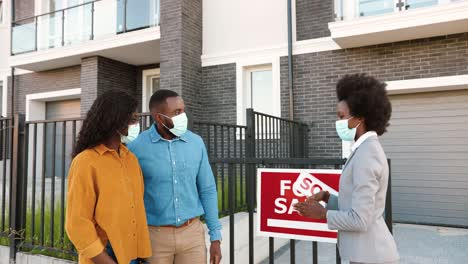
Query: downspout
x=12, y=19
x=12, y=92
x=290, y=62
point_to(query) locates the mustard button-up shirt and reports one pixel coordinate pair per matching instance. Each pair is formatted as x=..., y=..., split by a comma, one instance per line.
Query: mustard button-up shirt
x=105, y=203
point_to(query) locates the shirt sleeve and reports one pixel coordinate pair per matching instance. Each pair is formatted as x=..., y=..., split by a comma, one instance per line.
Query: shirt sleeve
x=365, y=186
x=332, y=202
x=209, y=196
x=81, y=201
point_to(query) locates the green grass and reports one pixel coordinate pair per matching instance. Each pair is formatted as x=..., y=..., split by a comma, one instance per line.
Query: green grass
x=240, y=197
x=62, y=244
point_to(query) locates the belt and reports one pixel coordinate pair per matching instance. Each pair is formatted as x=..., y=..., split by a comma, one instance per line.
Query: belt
x=189, y=222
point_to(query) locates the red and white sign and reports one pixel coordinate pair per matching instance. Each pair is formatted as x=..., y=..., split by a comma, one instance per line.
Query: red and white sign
x=279, y=189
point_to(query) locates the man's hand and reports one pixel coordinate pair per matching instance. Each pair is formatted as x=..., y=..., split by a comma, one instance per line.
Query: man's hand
x=318, y=197
x=215, y=252
x=311, y=209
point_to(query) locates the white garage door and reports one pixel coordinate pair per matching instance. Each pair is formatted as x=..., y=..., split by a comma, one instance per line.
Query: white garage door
x=427, y=142
x=59, y=110
x=63, y=109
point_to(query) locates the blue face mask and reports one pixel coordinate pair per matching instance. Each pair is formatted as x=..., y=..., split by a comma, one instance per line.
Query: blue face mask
x=133, y=132
x=343, y=130
x=180, y=124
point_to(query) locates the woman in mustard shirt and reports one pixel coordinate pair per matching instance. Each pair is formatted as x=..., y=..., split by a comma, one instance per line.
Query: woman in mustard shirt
x=105, y=186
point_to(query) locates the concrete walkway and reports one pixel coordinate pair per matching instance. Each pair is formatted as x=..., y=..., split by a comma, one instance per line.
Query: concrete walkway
x=417, y=245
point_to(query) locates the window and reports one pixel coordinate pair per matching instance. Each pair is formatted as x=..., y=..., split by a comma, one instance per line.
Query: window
x=1, y=12
x=259, y=90
x=151, y=84
x=375, y=7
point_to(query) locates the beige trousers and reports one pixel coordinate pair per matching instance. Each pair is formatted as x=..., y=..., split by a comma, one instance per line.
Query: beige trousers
x=185, y=245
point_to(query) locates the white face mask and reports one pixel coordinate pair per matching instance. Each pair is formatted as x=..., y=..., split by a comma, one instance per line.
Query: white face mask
x=343, y=130
x=133, y=132
x=180, y=124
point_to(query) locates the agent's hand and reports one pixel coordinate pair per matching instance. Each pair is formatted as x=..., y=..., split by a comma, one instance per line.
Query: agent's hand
x=311, y=209
x=215, y=252
x=318, y=197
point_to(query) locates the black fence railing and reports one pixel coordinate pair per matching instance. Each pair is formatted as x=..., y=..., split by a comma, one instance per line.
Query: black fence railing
x=33, y=204
x=6, y=152
x=47, y=160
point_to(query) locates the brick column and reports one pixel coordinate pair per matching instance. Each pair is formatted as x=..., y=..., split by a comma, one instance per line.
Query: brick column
x=99, y=74
x=181, y=50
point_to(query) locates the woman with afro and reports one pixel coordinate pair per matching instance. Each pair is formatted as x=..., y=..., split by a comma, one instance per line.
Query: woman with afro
x=363, y=112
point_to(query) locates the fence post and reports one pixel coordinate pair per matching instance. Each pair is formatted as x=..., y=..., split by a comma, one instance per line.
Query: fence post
x=17, y=186
x=388, y=200
x=250, y=153
x=232, y=196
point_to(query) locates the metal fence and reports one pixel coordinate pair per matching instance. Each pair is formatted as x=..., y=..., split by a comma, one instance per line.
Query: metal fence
x=6, y=138
x=33, y=205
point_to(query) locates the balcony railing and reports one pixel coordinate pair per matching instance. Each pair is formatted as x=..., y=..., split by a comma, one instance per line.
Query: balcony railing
x=354, y=9
x=88, y=21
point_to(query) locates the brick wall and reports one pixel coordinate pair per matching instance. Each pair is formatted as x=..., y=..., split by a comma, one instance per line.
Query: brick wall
x=218, y=94
x=315, y=76
x=312, y=17
x=40, y=82
x=181, y=49
x=99, y=74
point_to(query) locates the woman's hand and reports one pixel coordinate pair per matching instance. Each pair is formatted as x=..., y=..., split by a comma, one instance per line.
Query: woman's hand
x=311, y=209
x=103, y=258
x=318, y=197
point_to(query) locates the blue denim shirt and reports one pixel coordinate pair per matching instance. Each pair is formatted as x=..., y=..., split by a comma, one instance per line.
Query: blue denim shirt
x=179, y=182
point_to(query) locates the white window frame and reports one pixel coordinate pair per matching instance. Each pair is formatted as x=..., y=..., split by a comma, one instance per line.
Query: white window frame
x=4, y=109
x=144, y=93
x=243, y=70
x=351, y=8
x=36, y=103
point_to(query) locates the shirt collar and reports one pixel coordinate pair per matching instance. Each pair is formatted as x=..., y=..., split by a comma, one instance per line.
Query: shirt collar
x=155, y=136
x=362, y=139
x=101, y=149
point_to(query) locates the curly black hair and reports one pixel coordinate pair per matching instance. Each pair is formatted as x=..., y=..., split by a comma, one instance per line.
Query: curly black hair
x=110, y=112
x=367, y=98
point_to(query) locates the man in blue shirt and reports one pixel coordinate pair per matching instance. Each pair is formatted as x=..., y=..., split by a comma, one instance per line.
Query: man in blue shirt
x=179, y=186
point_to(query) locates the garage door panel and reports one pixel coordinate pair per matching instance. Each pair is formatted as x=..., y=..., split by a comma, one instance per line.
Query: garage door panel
x=431, y=205
x=444, y=198
x=434, y=212
x=434, y=141
x=430, y=219
x=422, y=162
x=431, y=113
x=437, y=121
x=429, y=98
x=428, y=127
x=429, y=176
x=431, y=155
x=446, y=184
x=435, y=190
x=421, y=106
x=433, y=170
x=405, y=136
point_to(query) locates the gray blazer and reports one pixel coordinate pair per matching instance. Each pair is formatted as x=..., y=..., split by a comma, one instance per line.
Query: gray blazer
x=357, y=213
